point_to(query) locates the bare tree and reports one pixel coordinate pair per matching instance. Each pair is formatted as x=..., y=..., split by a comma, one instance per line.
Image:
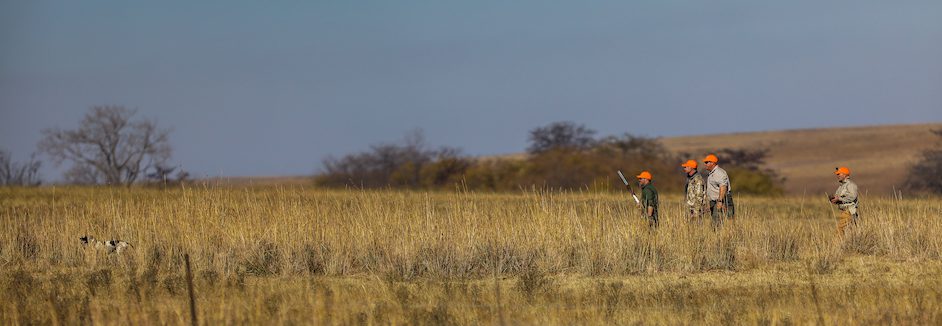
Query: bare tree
x=411, y=163
x=561, y=135
x=15, y=174
x=82, y=174
x=634, y=146
x=108, y=147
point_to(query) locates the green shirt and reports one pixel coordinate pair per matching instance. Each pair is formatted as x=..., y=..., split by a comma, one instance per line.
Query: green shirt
x=649, y=198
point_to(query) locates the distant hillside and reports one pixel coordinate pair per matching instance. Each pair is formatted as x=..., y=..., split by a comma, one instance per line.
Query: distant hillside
x=877, y=155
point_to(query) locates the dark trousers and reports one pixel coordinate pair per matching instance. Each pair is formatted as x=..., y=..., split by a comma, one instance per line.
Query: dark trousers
x=719, y=215
x=652, y=221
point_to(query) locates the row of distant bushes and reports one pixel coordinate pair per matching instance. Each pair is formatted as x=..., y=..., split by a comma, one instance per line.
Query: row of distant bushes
x=561, y=155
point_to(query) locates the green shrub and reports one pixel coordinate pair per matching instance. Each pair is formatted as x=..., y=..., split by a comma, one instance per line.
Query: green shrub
x=745, y=181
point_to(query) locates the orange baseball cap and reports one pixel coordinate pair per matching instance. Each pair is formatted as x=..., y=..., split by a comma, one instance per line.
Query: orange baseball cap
x=645, y=175
x=842, y=169
x=690, y=164
x=711, y=158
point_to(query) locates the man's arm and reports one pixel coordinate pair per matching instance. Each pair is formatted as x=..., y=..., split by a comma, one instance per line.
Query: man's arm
x=722, y=199
x=701, y=194
x=690, y=198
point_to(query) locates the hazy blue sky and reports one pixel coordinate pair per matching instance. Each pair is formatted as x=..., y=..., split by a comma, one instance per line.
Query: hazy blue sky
x=270, y=88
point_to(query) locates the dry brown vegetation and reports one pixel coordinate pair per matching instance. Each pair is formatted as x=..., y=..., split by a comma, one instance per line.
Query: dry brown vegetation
x=294, y=255
x=878, y=155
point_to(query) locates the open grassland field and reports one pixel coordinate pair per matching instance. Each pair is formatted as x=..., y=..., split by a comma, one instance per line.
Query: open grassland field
x=301, y=256
x=879, y=155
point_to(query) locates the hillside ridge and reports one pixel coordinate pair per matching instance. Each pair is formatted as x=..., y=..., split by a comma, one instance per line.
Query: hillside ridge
x=879, y=156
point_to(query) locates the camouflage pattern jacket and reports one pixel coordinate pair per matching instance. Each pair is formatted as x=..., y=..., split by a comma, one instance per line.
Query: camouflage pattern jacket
x=696, y=192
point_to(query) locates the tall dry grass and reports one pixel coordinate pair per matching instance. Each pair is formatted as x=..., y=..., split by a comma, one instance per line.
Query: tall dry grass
x=295, y=255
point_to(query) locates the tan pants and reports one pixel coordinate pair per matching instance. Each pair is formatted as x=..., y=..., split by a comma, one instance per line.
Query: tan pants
x=845, y=219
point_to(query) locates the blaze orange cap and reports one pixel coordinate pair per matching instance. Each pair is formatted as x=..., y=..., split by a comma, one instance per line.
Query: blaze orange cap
x=690, y=164
x=711, y=158
x=842, y=169
x=645, y=175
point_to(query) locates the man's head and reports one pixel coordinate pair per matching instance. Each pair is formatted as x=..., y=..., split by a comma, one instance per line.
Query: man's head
x=710, y=161
x=842, y=173
x=690, y=167
x=644, y=178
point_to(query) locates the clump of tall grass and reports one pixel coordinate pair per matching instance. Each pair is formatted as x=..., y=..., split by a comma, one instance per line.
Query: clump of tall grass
x=264, y=259
x=862, y=240
x=784, y=244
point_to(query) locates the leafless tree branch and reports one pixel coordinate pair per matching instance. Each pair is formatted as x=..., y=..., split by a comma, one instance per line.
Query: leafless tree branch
x=15, y=174
x=108, y=147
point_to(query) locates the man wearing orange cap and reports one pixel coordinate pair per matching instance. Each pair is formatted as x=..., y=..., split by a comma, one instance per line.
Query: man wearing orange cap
x=718, y=191
x=648, y=198
x=845, y=198
x=695, y=191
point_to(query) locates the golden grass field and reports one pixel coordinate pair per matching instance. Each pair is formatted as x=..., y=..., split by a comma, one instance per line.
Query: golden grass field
x=296, y=255
x=879, y=156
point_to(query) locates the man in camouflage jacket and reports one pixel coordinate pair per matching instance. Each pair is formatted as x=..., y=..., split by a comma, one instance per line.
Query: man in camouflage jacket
x=695, y=190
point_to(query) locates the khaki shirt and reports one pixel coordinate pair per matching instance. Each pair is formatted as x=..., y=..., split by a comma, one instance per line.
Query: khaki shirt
x=846, y=194
x=717, y=178
x=695, y=192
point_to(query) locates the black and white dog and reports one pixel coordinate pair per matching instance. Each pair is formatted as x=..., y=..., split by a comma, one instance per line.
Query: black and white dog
x=109, y=246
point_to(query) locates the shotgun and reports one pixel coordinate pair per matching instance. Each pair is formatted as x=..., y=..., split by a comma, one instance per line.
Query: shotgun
x=628, y=185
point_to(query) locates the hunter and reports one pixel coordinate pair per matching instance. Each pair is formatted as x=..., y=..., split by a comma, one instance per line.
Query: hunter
x=718, y=191
x=846, y=199
x=695, y=191
x=648, y=198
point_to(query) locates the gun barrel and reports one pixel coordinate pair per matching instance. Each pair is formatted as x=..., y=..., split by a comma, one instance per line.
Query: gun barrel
x=623, y=178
